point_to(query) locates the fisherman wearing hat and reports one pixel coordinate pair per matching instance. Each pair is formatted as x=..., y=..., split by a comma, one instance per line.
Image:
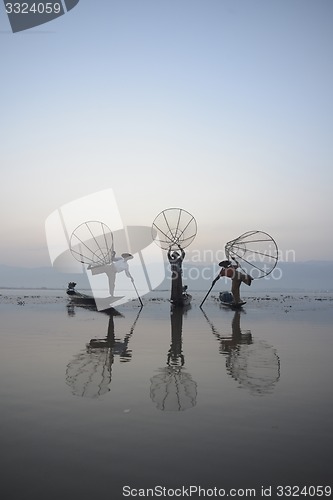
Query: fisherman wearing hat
x=229, y=270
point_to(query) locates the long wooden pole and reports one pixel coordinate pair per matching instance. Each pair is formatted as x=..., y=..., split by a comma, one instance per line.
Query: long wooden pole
x=141, y=303
x=213, y=283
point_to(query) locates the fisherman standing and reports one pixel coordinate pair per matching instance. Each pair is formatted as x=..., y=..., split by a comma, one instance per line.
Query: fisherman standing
x=118, y=265
x=176, y=260
x=229, y=270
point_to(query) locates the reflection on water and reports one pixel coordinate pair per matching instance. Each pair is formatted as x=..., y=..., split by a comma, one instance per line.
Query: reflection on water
x=173, y=388
x=93, y=447
x=253, y=363
x=89, y=374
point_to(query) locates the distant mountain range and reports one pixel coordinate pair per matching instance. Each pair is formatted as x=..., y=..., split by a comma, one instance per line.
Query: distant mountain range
x=311, y=275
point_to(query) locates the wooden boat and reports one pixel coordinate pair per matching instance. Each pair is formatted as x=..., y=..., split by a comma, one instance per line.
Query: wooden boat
x=81, y=299
x=78, y=296
x=185, y=301
x=227, y=299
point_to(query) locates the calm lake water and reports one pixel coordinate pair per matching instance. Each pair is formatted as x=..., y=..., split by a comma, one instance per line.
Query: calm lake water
x=210, y=398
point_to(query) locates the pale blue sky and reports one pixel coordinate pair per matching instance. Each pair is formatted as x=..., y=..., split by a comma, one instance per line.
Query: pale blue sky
x=221, y=107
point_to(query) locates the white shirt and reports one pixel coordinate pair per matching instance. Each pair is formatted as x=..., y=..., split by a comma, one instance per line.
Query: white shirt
x=120, y=264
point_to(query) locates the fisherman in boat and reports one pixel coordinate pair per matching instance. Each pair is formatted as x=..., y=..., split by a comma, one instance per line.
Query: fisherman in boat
x=118, y=265
x=229, y=270
x=176, y=260
x=71, y=288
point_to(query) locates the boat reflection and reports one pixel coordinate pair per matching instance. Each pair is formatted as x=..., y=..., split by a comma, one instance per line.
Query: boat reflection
x=172, y=388
x=253, y=363
x=89, y=373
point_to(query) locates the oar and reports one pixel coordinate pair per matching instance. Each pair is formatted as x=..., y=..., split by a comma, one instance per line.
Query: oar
x=141, y=303
x=213, y=283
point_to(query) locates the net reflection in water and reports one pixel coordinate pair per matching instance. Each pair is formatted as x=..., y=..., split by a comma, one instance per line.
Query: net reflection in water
x=89, y=373
x=173, y=389
x=253, y=363
x=255, y=366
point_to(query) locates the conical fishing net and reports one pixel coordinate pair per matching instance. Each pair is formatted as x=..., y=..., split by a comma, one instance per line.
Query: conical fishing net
x=174, y=228
x=92, y=243
x=255, y=251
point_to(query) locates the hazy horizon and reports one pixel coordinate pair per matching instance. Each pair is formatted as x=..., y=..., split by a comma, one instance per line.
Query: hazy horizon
x=298, y=276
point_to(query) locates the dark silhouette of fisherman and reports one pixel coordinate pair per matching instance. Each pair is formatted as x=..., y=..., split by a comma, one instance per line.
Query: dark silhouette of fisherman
x=176, y=260
x=230, y=270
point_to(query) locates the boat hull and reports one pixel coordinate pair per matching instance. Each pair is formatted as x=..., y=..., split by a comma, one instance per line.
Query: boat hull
x=186, y=301
x=227, y=299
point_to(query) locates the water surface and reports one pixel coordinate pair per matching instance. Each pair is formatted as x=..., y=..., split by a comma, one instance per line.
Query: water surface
x=91, y=402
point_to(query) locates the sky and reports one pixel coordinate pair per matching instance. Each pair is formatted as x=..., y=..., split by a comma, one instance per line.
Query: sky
x=220, y=107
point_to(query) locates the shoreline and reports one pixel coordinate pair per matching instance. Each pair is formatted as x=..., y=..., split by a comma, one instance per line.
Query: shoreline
x=286, y=302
